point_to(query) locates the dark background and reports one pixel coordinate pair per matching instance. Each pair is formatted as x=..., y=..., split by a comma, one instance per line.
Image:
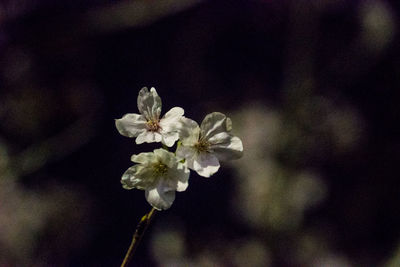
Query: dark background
x=312, y=88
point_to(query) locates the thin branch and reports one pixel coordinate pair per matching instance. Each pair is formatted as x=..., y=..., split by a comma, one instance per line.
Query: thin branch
x=137, y=236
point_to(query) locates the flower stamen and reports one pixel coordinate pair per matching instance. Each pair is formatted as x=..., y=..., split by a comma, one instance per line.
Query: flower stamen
x=160, y=168
x=202, y=146
x=153, y=126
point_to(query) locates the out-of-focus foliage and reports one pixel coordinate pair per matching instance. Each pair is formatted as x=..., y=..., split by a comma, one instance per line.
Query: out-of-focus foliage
x=312, y=90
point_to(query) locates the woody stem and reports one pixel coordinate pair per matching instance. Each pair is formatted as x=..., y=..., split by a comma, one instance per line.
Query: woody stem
x=137, y=236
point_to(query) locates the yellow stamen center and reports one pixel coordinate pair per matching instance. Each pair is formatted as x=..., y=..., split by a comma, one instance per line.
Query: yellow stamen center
x=202, y=145
x=153, y=126
x=160, y=168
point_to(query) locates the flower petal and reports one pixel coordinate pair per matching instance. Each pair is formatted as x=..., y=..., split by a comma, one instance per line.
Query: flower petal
x=144, y=158
x=206, y=164
x=182, y=186
x=127, y=179
x=131, y=125
x=160, y=197
x=215, y=123
x=189, y=131
x=185, y=152
x=170, y=121
x=149, y=103
x=183, y=177
x=138, y=177
x=226, y=147
x=179, y=174
x=148, y=137
x=169, y=138
x=166, y=157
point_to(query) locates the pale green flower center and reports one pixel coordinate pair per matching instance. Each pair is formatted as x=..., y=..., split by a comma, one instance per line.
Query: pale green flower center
x=160, y=168
x=153, y=125
x=202, y=145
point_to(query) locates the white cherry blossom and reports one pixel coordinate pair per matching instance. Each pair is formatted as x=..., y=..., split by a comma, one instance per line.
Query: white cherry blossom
x=160, y=174
x=147, y=126
x=203, y=147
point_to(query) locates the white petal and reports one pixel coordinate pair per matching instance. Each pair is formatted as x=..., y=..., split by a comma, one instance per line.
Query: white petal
x=170, y=138
x=189, y=131
x=185, y=152
x=142, y=137
x=189, y=163
x=127, y=178
x=138, y=177
x=232, y=148
x=157, y=137
x=206, y=164
x=160, y=197
x=182, y=186
x=149, y=103
x=170, y=121
x=131, y=125
x=215, y=123
x=179, y=174
x=166, y=157
x=220, y=138
x=148, y=137
x=144, y=158
x=183, y=178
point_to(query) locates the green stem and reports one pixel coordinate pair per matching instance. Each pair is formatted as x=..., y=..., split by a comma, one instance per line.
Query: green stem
x=165, y=147
x=137, y=236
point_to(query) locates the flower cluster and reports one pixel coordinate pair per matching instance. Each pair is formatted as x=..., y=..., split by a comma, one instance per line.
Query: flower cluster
x=200, y=148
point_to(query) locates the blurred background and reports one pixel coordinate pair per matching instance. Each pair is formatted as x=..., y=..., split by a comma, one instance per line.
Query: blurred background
x=312, y=88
